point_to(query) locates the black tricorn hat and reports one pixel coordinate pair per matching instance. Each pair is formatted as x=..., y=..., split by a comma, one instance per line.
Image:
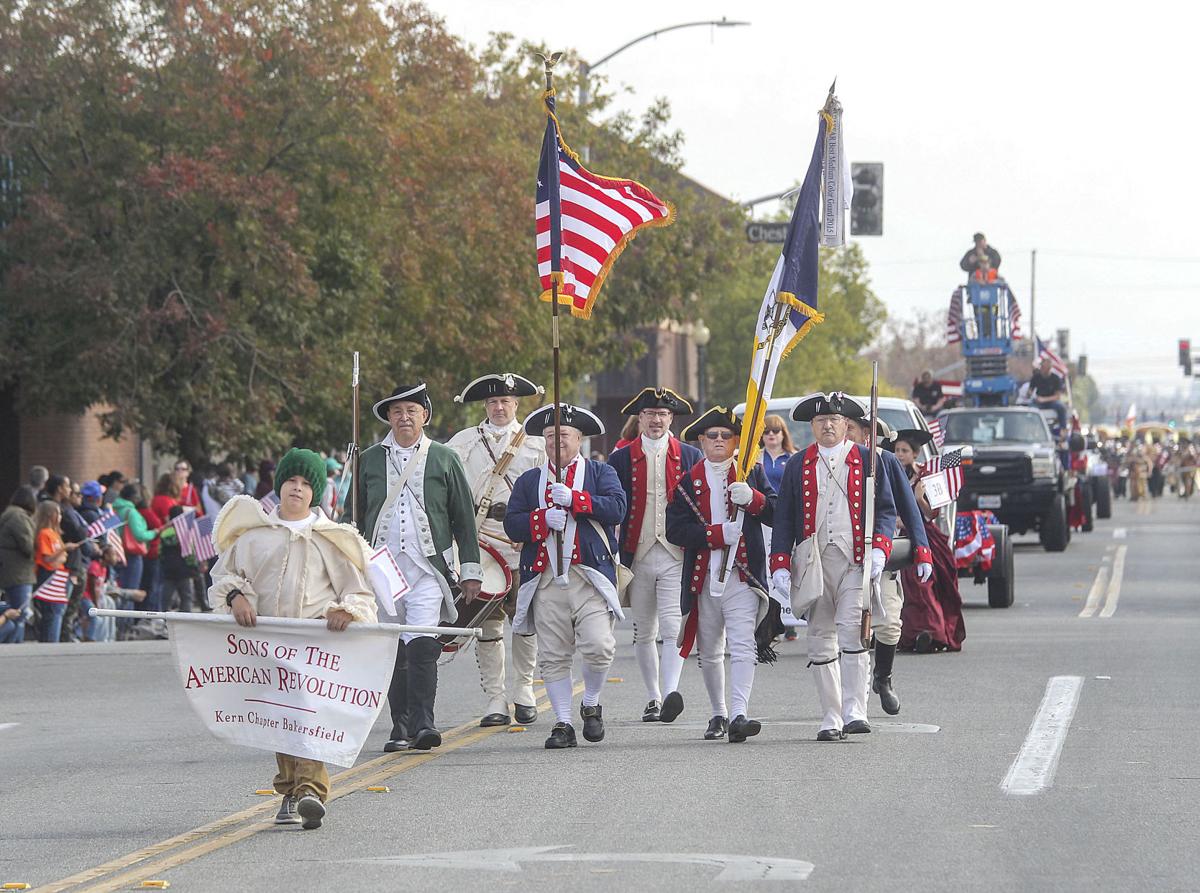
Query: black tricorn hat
x=498, y=384
x=833, y=403
x=884, y=435
x=717, y=417
x=412, y=393
x=657, y=398
x=914, y=437
x=587, y=423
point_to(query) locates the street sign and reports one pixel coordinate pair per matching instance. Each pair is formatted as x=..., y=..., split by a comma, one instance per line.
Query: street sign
x=772, y=232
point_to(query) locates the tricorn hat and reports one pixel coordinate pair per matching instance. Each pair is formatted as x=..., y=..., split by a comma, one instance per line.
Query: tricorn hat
x=915, y=437
x=413, y=393
x=717, y=417
x=587, y=423
x=833, y=403
x=498, y=384
x=657, y=398
x=884, y=434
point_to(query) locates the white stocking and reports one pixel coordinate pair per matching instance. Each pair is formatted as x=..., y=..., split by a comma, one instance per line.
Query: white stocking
x=560, y=694
x=741, y=680
x=593, y=682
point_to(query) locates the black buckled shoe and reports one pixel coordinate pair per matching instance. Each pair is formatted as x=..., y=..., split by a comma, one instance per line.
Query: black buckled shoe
x=888, y=699
x=671, y=708
x=652, y=713
x=561, y=736
x=593, y=723
x=830, y=735
x=426, y=739
x=525, y=715
x=311, y=810
x=741, y=728
x=717, y=727
x=287, y=812
x=494, y=719
x=858, y=727
x=924, y=643
x=398, y=740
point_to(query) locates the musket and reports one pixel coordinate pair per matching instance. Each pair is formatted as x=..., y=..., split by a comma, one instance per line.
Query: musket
x=352, y=447
x=868, y=514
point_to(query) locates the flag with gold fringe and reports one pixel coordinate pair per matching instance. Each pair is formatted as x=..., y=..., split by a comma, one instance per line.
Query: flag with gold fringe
x=584, y=220
x=789, y=308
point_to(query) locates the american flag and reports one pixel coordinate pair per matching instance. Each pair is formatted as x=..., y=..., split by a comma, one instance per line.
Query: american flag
x=117, y=542
x=102, y=525
x=1014, y=317
x=584, y=221
x=949, y=464
x=195, y=536
x=938, y=432
x=1056, y=362
x=54, y=589
x=954, y=317
x=269, y=502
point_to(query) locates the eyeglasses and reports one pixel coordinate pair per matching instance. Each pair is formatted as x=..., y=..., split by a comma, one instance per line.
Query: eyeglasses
x=657, y=413
x=719, y=435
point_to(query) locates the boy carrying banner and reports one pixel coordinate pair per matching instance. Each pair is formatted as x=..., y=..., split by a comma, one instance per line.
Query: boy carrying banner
x=292, y=563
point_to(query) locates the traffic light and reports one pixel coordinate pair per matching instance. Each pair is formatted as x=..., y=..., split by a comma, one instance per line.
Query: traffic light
x=866, y=207
x=1185, y=355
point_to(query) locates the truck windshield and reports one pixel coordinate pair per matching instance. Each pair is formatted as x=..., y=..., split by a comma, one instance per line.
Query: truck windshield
x=996, y=427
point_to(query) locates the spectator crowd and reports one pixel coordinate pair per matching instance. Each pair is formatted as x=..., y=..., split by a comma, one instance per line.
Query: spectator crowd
x=140, y=565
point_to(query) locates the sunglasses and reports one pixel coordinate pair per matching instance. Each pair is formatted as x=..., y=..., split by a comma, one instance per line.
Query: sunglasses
x=773, y=431
x=719, y=435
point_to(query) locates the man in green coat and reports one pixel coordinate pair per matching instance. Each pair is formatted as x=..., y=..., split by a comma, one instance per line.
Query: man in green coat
x=416, y=501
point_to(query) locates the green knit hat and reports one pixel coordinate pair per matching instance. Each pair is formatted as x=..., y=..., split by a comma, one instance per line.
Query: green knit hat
x=308, y=465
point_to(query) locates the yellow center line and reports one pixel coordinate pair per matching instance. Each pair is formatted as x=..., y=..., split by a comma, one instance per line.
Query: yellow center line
x=231, y=828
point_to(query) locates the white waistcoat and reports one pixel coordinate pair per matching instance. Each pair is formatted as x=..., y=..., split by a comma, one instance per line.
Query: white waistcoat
x=833, y=508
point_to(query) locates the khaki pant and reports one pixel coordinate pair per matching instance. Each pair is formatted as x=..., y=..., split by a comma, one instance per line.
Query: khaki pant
x=568, y=620
x=298, y=776
x=887, y=631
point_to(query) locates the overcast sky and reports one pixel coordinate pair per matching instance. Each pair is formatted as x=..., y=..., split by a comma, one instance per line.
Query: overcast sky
x=1061, y=127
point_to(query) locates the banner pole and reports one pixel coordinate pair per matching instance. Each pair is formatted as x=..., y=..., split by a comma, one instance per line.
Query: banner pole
x=294, y=622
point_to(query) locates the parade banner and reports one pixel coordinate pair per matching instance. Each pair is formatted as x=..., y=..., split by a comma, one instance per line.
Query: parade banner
x=287, y=686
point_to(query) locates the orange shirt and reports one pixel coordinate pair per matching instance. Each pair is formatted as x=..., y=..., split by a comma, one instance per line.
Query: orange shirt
x=48, y=543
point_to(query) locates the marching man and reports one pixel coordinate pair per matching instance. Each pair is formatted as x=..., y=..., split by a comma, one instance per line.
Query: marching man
x=292, y=563
x=416, y=501
x=650, y=468
x=698, y=519
x=887, y=628
x=495, y=453
x=818, y=530
x=568, y=591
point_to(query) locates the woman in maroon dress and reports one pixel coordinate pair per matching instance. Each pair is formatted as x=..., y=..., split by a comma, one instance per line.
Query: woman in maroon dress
x=932, y=618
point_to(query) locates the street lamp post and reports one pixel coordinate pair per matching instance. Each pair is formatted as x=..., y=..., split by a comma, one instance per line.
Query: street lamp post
x=585, y=68
x=701, y=335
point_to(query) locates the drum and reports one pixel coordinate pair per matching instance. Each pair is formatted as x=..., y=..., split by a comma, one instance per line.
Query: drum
x=497, y=581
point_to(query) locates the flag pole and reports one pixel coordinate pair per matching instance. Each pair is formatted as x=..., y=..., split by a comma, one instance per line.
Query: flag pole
x=352, y=450
x=549, y=62
x=868, y=514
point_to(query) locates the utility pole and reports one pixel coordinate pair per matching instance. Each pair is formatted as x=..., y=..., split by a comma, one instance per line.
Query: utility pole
x=1033, y=294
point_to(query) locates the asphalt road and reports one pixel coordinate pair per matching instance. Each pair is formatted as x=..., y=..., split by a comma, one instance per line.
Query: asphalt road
x=108, y=778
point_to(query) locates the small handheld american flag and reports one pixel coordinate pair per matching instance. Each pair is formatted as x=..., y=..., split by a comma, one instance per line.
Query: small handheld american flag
x=102, y=525
x=54, y=589
x=949, y=465
x=938, y=432
x=195, y=536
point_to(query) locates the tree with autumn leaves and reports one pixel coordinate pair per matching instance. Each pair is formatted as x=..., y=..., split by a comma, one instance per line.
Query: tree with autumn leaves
x=206, y=206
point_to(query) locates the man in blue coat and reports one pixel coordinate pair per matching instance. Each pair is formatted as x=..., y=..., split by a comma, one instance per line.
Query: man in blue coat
x=650, y=468
x=818, y=531
x=564, y=514
x=887, y=627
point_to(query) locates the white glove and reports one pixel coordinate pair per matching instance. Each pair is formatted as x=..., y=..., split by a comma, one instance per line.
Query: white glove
x=731, y=532
x=560, y=494
x=740, y=493
x=924, y=571
x=556, y=518
x=878, y=560
x=781, y=582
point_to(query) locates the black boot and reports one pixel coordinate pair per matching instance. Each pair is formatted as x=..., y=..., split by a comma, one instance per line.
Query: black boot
x=398, y=701
x=422, y=689
x=885, y=656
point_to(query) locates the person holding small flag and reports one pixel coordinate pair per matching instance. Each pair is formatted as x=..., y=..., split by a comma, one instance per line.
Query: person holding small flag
x=701, y=519
x=564, y=514
x=649, y=469
x=818, y=532
x=414, y=498
x=294, y=562
x=495, y=453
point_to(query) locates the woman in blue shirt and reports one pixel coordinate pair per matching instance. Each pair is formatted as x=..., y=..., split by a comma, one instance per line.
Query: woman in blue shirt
x=777, y=449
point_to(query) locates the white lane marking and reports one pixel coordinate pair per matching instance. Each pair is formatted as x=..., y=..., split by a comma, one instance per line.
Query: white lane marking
x=1093, y=599
x=733, y=867
x=8, y=725
x=1119, y=533
x=1033, y=769
x=1114, y=585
